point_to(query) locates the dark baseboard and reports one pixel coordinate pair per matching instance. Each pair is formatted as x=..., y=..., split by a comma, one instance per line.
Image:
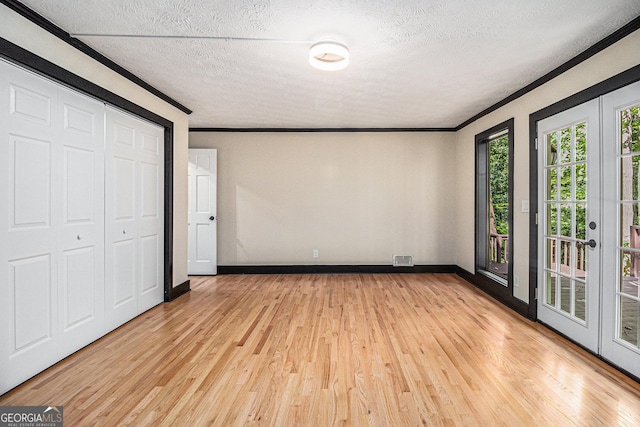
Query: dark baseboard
x=179, y=290
x=332, y=269
x=479, y=281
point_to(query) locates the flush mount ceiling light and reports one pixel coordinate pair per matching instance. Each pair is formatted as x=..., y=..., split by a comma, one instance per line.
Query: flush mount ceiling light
x=329, y=56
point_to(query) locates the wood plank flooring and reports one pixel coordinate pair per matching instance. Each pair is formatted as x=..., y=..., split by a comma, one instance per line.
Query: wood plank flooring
x=324, y=350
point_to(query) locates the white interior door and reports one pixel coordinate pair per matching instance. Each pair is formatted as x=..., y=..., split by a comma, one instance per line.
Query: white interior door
x=81, y=274
x=29, y=237
x=51, y=223
x=121, y=228
x=621, y=231
x=202, y=258
x=569, y=223
x=134, y=216
x=150, y=215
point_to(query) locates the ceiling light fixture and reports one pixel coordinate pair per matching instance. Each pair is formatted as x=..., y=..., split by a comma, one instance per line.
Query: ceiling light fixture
x=329, y=56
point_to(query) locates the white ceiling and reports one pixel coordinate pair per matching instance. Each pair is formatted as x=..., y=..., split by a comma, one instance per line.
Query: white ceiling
x=414, y=64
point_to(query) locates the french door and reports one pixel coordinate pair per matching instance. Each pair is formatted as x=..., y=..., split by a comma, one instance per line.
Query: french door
x=569, y=223
x=589, y=225
x=621, y=235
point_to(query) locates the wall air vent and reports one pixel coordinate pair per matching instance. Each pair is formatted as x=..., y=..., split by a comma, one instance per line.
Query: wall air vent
x=402, y=261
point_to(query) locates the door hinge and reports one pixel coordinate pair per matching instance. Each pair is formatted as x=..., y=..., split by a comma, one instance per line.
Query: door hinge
x=535, y=293
x=536, y=143
x=536, y=218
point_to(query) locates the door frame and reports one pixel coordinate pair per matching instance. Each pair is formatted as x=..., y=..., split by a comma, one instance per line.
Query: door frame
x=26, y=59
x=618, y=81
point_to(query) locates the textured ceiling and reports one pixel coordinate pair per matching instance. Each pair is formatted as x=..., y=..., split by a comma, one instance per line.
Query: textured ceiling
x=429, y=63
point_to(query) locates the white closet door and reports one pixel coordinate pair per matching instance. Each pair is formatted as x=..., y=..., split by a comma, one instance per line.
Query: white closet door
x=51, y=223
x=69, y=202
x=134, y=217
x=151, y=215
x=81, y=272
x=120, y=220
x=28, y=233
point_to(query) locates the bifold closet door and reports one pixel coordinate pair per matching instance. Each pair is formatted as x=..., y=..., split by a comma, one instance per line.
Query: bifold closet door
x=134, y=216
x=51, y=223
x=81, y=237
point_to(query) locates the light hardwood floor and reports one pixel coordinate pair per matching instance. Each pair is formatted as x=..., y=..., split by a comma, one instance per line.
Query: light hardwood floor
x=321, y=350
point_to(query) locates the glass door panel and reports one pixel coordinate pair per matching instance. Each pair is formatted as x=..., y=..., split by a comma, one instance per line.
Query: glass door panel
x=628, y=313
x=621, y=168
x=569, y=192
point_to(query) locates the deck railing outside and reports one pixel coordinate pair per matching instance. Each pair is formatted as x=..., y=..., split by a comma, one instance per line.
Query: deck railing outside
x=498, y=248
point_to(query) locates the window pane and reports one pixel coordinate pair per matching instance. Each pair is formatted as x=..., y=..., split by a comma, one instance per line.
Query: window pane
x=581, y=221
x=552, y=149
x=580, y=261
x=630, y=266
x=581, y=300
x=565, y=220
x=499, y=205
x=552, y=255
x=630, y=225
x=630, y=178
x=565, y=146
x=581, y=142
x=629, y=320
x=565, y=183
x=552, y=218
x=581, y=181
x=552, y=183
x=564, y=257
x=551, y=290
x=630, y=130
x=565, y=294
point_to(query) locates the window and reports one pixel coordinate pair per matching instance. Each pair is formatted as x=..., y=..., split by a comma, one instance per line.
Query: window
x=494, y=202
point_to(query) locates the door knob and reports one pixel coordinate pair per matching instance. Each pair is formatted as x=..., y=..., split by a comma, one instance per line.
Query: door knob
x=591, y=243
x=211, y=218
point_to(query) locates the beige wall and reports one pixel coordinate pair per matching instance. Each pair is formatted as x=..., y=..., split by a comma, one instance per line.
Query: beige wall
x=31, y=37
x=356, y=197
x=282, y=195
x=359, y=198
x=617, y=58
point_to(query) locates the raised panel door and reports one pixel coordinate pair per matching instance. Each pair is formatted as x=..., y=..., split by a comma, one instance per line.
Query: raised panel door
x=81, y=260
x=121, y=229
x=202, y=255
x=29, y=191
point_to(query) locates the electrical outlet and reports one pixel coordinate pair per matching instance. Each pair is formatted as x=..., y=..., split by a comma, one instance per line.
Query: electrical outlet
x=315, y=253
x=516, y=281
